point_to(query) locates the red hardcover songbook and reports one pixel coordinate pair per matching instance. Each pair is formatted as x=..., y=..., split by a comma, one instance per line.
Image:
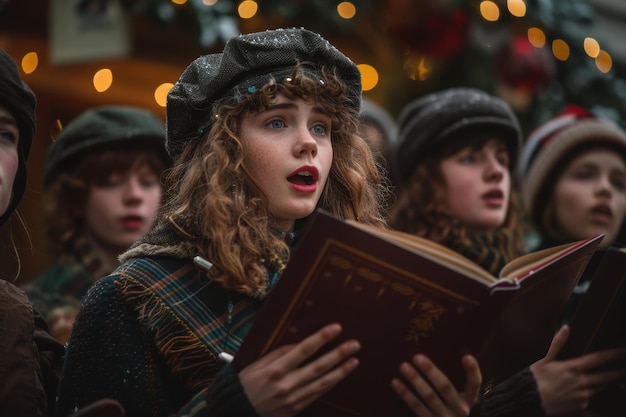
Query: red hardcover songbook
x=399, y=294
x=599, y=318
x=598, y=321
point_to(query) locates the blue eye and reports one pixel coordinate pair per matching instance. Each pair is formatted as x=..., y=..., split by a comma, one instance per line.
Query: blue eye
x=10, y=137
x=319, y=129
x=276, y=124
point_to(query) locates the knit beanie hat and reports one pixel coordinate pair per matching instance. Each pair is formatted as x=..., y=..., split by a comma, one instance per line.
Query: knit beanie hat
x=101, y=128
x=426, y=123
x=378, y=116
x=246, y=64
x=551, y=145
x=20, y=101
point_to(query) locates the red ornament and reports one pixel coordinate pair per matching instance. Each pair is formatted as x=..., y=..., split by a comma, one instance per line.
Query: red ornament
x=520, y=65
x=439, y=34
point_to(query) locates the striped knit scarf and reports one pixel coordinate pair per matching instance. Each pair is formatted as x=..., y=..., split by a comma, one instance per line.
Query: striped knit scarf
x=490, y=250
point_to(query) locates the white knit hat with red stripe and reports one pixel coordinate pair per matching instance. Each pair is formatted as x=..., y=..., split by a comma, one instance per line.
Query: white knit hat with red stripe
x=552, y=144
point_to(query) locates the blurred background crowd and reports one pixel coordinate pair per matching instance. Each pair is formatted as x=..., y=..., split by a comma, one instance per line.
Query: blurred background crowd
x=537, y=55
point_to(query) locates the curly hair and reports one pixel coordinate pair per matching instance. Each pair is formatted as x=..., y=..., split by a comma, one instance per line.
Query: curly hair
x=421, y=209
x=210, y=197
x=65, y=199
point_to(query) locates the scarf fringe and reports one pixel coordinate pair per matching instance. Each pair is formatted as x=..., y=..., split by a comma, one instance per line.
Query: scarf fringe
x=184, y=353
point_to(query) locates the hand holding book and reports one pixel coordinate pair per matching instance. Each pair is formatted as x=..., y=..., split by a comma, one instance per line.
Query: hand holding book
x=399, y=295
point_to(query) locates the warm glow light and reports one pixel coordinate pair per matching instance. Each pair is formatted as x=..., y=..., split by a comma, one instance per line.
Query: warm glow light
x=489, y=10
x=209, y=2
x=516, y=7
x=179, y=1
x=247, y=9
x=418, y=68
x=55, y=129
x=346, y=10
x=536, y=37
x=102, y=80
x=369, y=76
x=560, y=49
x=604, y=62
x=591, y=47
x=160, y=94
x=30, y=62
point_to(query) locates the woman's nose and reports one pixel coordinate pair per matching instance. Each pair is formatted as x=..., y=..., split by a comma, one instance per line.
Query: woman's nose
x=305, y=142
x=494, y=169
x=603, y=185
x=133, y=189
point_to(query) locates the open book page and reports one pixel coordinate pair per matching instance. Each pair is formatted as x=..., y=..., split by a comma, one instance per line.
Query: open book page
x=433, y=250
x=513, y=270
x=532, y=315
x=398, y=295
x=521, y=266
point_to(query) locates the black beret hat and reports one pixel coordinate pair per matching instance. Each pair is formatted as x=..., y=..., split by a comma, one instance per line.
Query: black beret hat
x=425, y=123
x=102, y=128
x=20, y=101
x=247, y=63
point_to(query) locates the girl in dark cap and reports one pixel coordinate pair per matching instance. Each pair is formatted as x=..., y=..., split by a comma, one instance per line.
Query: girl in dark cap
x=30, y=358
x=456, y=153
x=102, y=179
x=261, y=135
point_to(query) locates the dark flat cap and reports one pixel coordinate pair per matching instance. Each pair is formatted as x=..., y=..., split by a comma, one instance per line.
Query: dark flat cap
x=427, y=122
x=101, y=128
x=20, y=101
x=247, y=63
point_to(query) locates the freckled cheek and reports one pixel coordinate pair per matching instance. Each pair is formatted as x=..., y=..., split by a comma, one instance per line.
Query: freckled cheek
x=327, y=157
x=256, y=165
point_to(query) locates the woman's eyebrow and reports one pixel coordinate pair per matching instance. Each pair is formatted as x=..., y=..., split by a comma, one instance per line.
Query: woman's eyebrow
x=286, y=105
x=8, y=120
x=290, y=105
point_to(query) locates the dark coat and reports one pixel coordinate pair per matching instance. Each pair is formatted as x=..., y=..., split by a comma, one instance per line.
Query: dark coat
x=30, y=359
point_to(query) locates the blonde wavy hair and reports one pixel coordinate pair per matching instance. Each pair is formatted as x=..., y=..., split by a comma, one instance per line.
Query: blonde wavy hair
x=210, y=196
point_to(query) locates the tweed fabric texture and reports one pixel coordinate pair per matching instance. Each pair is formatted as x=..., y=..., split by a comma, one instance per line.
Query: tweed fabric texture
x=151, y=332
x=247, y=63
x=427, y=122
x=20, y=101
x=66, y=282
x=101, y=128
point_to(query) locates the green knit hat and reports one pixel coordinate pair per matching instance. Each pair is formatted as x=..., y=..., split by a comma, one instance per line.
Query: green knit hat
x=102, y=128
